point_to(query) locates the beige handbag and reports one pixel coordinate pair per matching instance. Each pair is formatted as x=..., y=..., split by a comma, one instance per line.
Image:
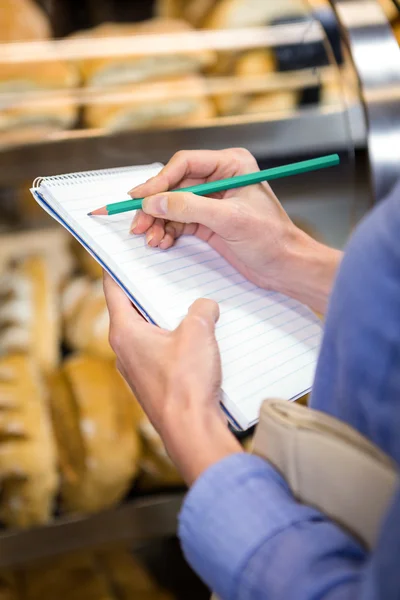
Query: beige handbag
x=328, y=465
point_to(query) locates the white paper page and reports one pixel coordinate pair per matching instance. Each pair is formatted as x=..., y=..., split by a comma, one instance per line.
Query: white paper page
x=269, y=343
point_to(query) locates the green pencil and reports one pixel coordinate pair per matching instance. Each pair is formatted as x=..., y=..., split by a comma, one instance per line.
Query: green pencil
x=204, y=189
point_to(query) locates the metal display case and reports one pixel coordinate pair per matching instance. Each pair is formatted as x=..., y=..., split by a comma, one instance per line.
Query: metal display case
x=361, y=123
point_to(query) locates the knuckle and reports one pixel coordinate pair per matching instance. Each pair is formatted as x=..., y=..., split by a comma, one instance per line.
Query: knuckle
x=238, y=218
x=244, y=157
x=115, y=338
x=180, y=155
x=181, y=203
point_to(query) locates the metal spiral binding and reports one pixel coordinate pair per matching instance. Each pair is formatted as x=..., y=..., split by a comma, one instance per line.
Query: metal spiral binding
x=89, y=176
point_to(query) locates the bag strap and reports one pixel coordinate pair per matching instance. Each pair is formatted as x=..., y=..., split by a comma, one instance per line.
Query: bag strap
x=329, y=465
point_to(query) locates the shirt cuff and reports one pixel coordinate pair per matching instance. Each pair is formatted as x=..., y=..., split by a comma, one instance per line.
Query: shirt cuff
x=231, y=510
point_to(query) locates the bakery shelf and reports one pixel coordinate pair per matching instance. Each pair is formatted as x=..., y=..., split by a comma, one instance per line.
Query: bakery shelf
x=315, y=130
x=136, y=522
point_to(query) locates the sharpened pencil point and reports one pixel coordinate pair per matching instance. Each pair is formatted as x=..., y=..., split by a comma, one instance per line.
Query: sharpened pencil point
x=99, y=211
x=89, y=214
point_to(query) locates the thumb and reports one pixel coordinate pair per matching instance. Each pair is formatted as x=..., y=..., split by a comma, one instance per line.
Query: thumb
x=204, y=312
x=186, y=207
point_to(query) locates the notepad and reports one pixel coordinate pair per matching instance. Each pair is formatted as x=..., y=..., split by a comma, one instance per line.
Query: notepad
x=269, y=343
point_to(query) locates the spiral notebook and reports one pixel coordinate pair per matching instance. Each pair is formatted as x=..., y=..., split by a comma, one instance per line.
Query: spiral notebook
x=269, y=343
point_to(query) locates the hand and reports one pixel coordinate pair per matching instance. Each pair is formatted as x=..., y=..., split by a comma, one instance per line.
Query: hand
x=247, y=226
x=176, y=376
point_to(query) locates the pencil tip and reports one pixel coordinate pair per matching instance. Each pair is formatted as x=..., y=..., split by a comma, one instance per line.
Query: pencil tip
x=99, y=211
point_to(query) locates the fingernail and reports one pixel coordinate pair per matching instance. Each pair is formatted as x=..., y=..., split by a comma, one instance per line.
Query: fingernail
x=156, y=205
x=134, y=191
x=134, y=223
x=149, y=237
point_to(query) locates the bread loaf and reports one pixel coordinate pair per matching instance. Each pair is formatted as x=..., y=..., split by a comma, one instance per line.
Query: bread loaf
x=197, y=11
x=390, y=9
x=51, y=244
x=27, y=117
x=28, y=313
x=135, y=69
x=23, y=21
x=170, y=103
x=94, y=426
x=255, y=63
x=169, y=9
x=236, y=14
x=127, y=577
x=101, y=574
x=86, y=320
x=262, y=104
x=27, y=450
x=73, y=576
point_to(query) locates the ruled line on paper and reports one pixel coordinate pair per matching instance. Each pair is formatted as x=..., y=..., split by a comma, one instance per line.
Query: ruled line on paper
x=265, y=338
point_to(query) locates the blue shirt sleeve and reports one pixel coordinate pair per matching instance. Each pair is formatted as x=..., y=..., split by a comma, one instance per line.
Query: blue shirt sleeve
x=248, y=539
x=240, y=527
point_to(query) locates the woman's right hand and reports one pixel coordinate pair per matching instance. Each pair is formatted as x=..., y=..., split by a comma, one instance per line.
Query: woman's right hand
x=248, y=226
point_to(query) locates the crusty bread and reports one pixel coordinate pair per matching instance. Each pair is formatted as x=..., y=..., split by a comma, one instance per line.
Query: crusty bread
x=28, y=313
x=390, y=9
x=86, y=320
x=23, y=21
x=256, y=62
x=197, y=11
x=232, y=14
x=102, y=574
x=169, y=9
x=73, y=576
x=284, y=101
x=128, y=577
x=51, y=244
x=94, y=426
x=27, y=118
x=32, y=122
x=171, y=103
x=135, y=69
x=27, y=449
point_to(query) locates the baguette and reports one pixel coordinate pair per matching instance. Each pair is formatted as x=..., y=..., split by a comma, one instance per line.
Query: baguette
x=28, y=313
x=135, y=69
x=94, y=425
x=28, y=460
x=172, y=103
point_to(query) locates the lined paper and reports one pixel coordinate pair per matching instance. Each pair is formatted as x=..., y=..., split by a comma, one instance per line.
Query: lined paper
x=269, y=343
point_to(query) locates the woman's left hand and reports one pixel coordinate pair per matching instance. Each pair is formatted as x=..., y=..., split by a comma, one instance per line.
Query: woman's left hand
x=176, y=376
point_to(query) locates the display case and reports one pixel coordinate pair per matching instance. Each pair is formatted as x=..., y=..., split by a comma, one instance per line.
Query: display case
x=287, y=80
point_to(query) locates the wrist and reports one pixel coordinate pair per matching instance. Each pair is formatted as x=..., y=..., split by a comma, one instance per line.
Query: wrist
x=308, y=271
x=196, y=438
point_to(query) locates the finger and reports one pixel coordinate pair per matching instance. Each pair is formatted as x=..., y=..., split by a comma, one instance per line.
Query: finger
x=155, y=185
x=156, y=233
x=186, y=207
x=207, y=164
x=118, y=304
x=141, y=222
x=199, y=165
x=206, y=312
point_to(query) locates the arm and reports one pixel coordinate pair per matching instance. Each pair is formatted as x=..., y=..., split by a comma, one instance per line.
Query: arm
x=243, y=532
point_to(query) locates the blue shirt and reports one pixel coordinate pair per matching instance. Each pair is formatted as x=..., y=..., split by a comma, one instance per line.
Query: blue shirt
x=240, y=527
